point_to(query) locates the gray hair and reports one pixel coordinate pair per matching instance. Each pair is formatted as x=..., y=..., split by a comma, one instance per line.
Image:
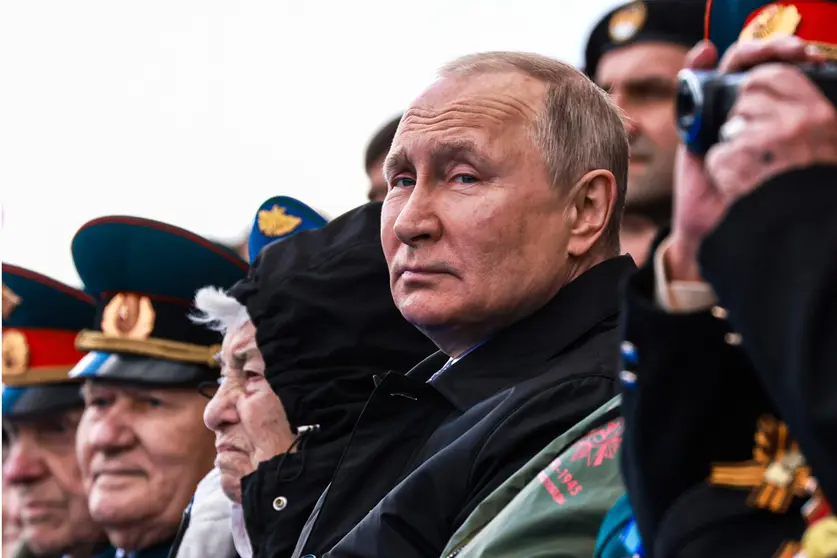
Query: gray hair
x=219, y=311
x=579, y=130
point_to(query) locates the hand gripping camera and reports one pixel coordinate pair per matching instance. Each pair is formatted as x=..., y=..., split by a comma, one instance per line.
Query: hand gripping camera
x=705, y=98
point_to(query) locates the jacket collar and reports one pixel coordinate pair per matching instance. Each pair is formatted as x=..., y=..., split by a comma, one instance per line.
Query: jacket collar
x=515, y=353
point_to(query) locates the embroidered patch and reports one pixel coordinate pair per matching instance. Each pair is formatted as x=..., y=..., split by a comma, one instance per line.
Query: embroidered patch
x=128, y=316
x=600, y=445
x=773, y=21
x=563, y=479
x=276, y=222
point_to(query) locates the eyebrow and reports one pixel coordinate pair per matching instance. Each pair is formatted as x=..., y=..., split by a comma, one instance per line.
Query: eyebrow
x=242, y=355
x=441, y=154
x=634, y=83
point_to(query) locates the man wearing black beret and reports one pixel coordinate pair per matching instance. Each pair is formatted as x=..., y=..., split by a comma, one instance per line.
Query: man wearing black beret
x=634, y=52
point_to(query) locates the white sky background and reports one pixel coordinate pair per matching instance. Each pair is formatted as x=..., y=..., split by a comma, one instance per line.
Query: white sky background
x=193, y=112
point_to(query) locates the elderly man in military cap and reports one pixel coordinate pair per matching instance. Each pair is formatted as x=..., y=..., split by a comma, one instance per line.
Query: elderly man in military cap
x=634, y=52
x=142, y=445
x=41, y=410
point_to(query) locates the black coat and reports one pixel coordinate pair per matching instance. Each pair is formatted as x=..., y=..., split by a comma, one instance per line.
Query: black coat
x=697, y=397
x=435, y=450
x=695, y=402
x=326, y=325
x=773, y=264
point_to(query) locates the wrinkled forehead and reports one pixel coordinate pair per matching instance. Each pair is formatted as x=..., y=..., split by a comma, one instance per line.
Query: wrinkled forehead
x=239, y=336
x=488, y=101
x=482, y=113
x=238, y=341
x=110, y=387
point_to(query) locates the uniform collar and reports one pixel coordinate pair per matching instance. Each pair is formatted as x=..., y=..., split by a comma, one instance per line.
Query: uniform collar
x=516, y=353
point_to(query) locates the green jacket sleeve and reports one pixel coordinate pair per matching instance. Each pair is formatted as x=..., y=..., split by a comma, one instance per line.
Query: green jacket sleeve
x=555, y=504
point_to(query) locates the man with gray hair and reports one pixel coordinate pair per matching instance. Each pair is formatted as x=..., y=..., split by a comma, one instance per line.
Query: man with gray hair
x=500, y=227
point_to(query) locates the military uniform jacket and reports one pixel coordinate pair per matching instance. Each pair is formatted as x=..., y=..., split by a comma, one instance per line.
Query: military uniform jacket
x=554, y=505
x=695, y=401
x=773, y=265
x=450, y=443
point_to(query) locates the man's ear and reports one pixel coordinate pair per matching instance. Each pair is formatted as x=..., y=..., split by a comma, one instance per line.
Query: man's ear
x=591, y=207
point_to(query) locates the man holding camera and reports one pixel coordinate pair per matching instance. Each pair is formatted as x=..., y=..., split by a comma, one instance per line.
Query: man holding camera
x=708, y=457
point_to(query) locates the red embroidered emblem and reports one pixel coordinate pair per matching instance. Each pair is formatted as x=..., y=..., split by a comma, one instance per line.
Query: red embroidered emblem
x=564, y=479
x=601, y=444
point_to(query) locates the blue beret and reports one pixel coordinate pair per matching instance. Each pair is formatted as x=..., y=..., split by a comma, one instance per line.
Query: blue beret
x=278, y=218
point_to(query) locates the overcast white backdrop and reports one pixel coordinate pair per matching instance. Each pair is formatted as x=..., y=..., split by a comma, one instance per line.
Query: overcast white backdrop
x=195, y=111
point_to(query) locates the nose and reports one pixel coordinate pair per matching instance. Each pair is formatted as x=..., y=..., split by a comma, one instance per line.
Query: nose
x=112, y=433
x=221, y=411
x=24, y=463
x=417, y=221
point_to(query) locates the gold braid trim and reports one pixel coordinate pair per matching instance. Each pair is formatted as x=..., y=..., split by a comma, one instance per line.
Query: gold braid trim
x=37, y=376
x=153, y=347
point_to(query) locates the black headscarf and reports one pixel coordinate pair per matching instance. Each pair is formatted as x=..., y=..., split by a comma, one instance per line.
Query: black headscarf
x=325, y=320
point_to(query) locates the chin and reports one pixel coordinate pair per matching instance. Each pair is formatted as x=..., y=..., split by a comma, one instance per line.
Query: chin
x=110, y=509
x=231, y=486
x=47, y=540
x=426, y=315
x=427, y=320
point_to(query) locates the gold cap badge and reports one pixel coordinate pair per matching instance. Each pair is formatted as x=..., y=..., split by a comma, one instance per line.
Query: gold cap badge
x=15, y=353
x=275, y=222
x=771, y=22
x=128, y=316
x=627, y=22
x=10, y=302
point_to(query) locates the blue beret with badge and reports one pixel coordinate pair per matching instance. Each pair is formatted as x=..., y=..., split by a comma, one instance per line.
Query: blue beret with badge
x=143, y=275
x=277, y=219
x=41, y=319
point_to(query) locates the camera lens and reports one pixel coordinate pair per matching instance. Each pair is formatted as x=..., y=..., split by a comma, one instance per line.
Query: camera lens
x=688, y=104
x=685, y=105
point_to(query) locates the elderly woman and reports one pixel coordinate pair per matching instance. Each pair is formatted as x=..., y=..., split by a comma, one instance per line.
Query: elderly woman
x=305, y=335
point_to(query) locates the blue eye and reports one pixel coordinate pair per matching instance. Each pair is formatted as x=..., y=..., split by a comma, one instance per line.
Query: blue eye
x=404, y=182
x=465, y=178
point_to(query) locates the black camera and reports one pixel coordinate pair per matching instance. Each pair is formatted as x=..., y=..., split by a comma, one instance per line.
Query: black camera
x=705, y=98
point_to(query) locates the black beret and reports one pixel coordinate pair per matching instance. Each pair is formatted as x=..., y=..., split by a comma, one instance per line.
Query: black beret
x=678, y=22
